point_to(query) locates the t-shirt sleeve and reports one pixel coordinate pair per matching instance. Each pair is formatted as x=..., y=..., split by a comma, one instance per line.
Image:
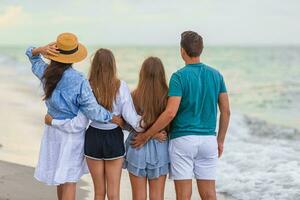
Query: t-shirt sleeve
x=223, y=88
x=175, y=86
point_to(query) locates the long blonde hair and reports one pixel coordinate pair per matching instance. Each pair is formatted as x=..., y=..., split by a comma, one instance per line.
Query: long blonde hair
x=150, y=96
x=103, y=78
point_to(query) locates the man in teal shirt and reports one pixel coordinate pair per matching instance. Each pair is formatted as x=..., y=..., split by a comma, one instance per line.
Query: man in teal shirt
x=195, y=93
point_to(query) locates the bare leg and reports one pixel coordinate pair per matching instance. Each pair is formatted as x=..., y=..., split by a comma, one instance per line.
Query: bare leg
x=207, y=189
x=59, y=190
x=69, y=191
x=183, y=189
x=113, y=170
x=97, y=169
x=138, y=187
x=157, y=188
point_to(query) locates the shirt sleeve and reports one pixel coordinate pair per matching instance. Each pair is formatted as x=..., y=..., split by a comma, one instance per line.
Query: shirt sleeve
x=38, y=65
x=175, y=87
x=77, y=124
x=128, y=110
x=223, y=88
x=89, y=106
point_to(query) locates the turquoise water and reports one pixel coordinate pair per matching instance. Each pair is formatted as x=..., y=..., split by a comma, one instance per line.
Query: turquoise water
x=262, y=81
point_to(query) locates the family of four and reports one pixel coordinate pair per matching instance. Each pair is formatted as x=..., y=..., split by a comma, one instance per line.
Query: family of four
x=172, y=128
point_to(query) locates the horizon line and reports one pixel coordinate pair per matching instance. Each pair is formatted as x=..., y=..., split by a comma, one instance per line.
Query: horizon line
x=163, y=45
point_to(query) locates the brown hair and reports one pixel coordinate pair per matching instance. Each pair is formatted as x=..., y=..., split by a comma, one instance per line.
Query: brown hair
x=52, y=76
x=103, y=78
x=150, y=96
x=192, y=43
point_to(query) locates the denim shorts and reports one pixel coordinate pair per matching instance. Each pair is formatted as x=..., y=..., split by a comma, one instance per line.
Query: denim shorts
x=151, y=160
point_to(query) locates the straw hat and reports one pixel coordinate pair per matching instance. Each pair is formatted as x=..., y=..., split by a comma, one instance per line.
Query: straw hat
x=70, y=50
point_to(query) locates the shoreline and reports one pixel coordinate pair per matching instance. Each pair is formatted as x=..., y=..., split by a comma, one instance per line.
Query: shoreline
x=260, y=158
x=22, y=116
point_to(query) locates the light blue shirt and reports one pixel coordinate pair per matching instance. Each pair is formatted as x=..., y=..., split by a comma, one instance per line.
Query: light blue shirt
x=72, y=93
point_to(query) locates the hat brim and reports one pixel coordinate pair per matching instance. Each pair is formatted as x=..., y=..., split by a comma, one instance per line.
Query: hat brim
x=78, y=56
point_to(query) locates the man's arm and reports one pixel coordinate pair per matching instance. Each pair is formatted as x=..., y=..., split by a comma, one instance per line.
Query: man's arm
x=163, y=121
x=223, y=121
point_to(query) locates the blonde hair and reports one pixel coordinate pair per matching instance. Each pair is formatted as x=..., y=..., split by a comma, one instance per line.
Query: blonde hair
x=103, y=78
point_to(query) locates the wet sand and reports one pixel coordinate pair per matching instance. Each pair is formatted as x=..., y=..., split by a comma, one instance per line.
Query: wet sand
x=17, y=183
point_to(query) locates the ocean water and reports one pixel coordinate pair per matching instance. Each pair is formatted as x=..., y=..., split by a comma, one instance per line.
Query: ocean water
x=261, y=158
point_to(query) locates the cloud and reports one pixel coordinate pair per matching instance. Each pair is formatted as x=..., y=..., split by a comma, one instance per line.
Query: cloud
x=12, y=16
x=64, y=19
x=152, y=22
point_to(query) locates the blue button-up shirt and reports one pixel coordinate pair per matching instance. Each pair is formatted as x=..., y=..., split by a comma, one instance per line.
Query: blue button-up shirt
x=72, y=93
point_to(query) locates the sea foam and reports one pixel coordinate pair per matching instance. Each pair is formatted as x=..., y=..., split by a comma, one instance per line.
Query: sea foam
x=260, y=162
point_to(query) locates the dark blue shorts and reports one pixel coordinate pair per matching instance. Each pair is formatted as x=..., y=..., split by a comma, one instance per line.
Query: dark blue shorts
x=104, y=144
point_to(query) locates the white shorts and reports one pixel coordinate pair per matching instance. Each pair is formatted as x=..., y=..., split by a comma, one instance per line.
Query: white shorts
x=193, y=156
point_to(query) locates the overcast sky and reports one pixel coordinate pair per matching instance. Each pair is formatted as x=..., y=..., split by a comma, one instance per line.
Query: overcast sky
x=151, y=22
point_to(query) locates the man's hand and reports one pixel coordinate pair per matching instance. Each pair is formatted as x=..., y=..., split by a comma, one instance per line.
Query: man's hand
x=118, y=120
x=140, y=140
x=161, y=136
x=162, y=122
x=48, y=119
x=220, y=148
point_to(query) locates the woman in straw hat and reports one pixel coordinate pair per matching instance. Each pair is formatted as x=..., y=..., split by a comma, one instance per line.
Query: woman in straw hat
x=66, y=93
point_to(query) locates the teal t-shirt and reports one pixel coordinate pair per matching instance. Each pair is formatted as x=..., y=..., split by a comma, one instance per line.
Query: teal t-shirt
x=199, y=87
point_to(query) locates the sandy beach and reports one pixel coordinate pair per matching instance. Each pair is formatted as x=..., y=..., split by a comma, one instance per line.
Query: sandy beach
x=22, y=112
x=17, y=182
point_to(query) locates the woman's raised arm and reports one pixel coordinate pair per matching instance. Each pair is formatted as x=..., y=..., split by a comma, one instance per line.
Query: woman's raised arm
x=38, y=64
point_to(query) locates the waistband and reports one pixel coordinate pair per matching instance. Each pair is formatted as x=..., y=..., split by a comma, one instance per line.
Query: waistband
x=118, y=129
